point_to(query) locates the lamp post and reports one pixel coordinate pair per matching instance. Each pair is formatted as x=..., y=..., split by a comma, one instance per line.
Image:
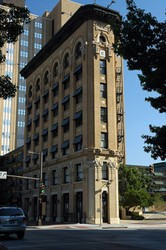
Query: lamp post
x=39, y=220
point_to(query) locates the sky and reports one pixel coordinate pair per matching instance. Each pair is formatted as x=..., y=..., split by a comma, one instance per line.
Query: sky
x=138, y=113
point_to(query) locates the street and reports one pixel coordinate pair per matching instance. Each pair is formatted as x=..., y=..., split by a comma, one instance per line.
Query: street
x=114, y=239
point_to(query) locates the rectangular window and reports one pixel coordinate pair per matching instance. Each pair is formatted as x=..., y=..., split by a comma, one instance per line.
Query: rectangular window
x=78, y=75
x=104, y=140
x=37, y=46
x=65, y=147
x=66, y=125
x=54, y=177
x=105, y=171
x=103, y=114
x=66, y=175
x=78, y=143
x=45, y=181
x=45, y=154
x=45, y=96
x=78, y=98
x=38, y=35
x=55, y=132
x=79, y=172
x=103, y=67
x=66, y=128
x=66, y=81
x=103, y=90
x=45, y=134
x=66, y=106
x=36, y=123
x=26, y=32
x=55, y=112
x=38, y=25
x=78, y=118
x=27, y=184
x=55, y=90
x=54, y=109
x=36, y=182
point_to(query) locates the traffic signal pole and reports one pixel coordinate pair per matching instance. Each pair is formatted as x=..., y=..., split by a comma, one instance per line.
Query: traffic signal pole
x=39, y=222
x=41, y=185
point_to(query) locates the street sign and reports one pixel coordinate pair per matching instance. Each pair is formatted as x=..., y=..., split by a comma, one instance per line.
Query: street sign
x=3, y=175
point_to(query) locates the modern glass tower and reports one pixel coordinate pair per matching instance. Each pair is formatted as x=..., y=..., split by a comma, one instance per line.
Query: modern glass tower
x=12, y=110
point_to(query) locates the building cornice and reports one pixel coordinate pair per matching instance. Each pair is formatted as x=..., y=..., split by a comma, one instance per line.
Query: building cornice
x=83, y=14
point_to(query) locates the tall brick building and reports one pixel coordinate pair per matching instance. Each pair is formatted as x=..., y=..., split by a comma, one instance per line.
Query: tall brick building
x=75, y=118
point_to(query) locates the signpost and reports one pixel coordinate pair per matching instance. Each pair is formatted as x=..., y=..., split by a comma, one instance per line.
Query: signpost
x=3, y=175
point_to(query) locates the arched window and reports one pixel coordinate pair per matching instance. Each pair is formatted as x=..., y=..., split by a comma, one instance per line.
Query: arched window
x=102, y=39
x=78, y=50
x=46, y=77
x=66, y=61
x=37, y=85
x=55, y=69
x=30, y=91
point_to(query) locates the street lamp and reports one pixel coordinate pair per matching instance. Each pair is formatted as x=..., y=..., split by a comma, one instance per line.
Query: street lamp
x=39, y=221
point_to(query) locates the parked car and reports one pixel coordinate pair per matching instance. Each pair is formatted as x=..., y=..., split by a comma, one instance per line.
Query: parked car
x=12, y=221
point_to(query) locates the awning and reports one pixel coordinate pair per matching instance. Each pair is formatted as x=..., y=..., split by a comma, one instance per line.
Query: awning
x=28, y=140
x=54, y=106
x=65, y=144
x=65, y=99
x=54, y=148
x=65, y=121
x=45, y=132
x=29, y=106
x=36, y=118
x=27, y=159
x=35, y=156
x=45, y=151
x=78, y=69
x=29, y=122
x=45, y=112
x=78, y=139
x=54, y=127
x=55, y=85
x=37, y=100
x=45, y=94
x=36, y=136
x=66, y=78
x=77, y=92
x=77, y=115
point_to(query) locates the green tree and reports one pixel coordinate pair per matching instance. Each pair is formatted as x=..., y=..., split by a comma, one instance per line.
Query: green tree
x=141, y=40
x=135, y=187
x=11, y=26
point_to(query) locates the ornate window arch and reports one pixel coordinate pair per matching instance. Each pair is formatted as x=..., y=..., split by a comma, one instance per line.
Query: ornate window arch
x=37, y=86
x=46, y=77
x=78, y=50
x=30, y=91
x=102, y=39
x=55, y=69
x=66, y=60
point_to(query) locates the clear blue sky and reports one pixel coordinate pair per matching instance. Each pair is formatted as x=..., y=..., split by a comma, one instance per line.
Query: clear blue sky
x=138, y=113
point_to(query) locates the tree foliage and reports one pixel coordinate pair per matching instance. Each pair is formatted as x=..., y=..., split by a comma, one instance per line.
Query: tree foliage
x=135, y=187
x=11, y=26
x=141, y=40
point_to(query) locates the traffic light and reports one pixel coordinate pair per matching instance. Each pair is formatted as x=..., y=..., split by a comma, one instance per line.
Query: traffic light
x=42, y=188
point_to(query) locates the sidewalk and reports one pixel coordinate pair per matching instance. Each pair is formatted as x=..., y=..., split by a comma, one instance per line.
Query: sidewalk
x=155, y=220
